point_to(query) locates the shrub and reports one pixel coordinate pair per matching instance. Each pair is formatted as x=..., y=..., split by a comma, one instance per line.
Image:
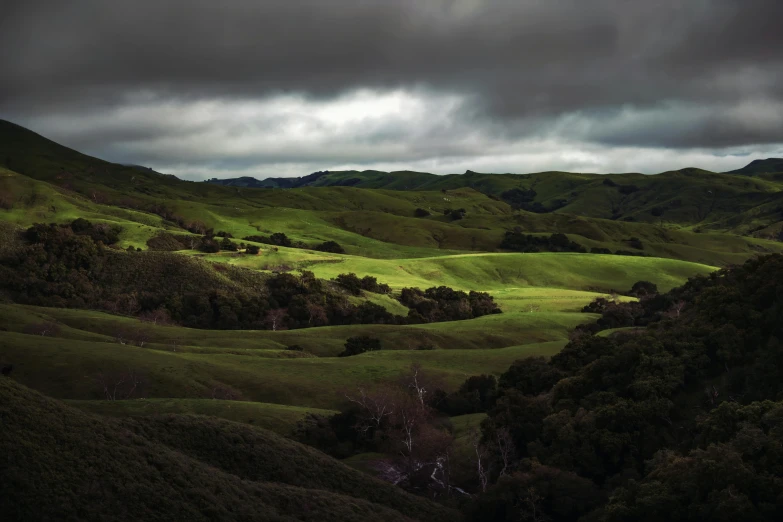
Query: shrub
x=350, y=282
x=455, y=214
x=280, y=239
x=421, y=213
x=643, y=288
x=227, y=244
x=330, y=246
x=518, y=198
x=359, y=345
x=252, y=250
x=635, y=242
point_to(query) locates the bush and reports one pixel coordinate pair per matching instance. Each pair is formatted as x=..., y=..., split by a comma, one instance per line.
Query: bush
x=518, y=198
x=350, y=282
x=643, y=288
x=455, y=214
x=208, y=245
x=359, y=345
x=519, y=242
x=330, y=246
x=421, y=213
x=635, y=242
x=252, y=250
x=354, y=285
x=280, y=239
x=227, y=244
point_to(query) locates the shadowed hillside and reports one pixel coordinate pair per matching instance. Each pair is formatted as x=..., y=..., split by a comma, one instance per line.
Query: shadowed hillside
x=74, y=465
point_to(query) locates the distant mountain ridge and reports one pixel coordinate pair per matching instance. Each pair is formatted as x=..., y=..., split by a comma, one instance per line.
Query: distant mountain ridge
x=765, y=166
x=410, y=180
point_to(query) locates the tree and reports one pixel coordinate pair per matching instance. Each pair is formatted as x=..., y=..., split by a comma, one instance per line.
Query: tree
x=330, y=246
x=280, y=239
x=275, y=319
x=228, y=245
x=350, y=282
x=115, y=385
x=421, y=213
x=252, y=250
x=359, y=345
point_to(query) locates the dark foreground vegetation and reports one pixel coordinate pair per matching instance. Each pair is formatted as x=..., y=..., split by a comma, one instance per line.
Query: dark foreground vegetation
x=678, y=419
x=62, y=464
x=682, y=420
x=74, y=266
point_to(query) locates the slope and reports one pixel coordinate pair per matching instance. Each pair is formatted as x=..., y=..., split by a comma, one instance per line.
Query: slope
x=61, y=463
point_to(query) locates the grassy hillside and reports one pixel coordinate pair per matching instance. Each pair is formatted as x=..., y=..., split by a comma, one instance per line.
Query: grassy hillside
x=174, y=468
x=670, y=212
x=181, y=413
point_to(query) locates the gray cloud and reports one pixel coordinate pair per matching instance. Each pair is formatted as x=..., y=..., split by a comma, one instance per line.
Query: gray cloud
x=702, y=74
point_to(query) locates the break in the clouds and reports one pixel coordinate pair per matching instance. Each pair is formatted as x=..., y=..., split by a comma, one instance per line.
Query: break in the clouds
x=268, y=88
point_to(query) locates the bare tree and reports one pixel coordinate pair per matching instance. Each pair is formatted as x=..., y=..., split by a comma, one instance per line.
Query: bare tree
x=482, y=458
x=159, y=316
x=677, y=308
x=274, y=319
x=505, y=449
x=375, y=405
x=421, y=383
x=119, y=385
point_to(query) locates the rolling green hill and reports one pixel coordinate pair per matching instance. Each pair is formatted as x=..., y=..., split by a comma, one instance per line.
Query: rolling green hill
x=79, y=321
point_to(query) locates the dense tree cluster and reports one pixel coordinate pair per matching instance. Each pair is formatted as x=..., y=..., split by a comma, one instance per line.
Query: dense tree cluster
x=524, y=199
x=61, y=267
x=682, y=420
x=517, y=241
x=277, y=239
x=519, y=199
x=208, y=243
x=355, y=284
x=70, y=266
x=442, y=303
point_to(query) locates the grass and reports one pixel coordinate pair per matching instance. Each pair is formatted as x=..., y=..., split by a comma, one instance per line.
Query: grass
x=541, y=295
x=67, y=369
x=61, y=463
x=489, y=272
x=279, y=418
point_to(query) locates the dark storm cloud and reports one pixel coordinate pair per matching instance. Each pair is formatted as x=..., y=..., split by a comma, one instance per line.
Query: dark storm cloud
x=667, y=73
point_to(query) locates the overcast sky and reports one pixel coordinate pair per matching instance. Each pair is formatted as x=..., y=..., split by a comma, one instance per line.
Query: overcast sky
x=264, y=88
